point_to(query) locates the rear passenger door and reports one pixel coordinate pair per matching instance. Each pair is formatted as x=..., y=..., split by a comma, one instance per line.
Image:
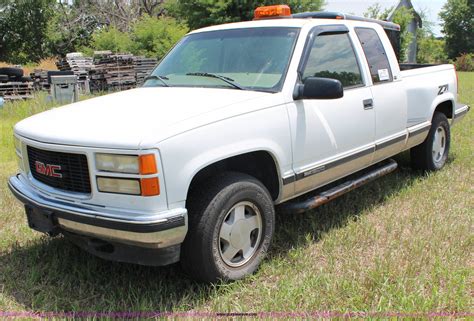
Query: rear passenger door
x=389, y=97
x=331, y=138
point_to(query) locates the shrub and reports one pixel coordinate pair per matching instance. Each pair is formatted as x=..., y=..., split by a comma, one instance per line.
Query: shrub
x=431, y=50
x=110, y=38
x=153, y=37
x=465, y=62
x=149, y=36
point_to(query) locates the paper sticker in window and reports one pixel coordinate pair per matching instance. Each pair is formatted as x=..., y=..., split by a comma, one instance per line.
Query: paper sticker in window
x=383, y=74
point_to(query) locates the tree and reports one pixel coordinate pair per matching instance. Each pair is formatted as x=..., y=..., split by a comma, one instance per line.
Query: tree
x=458, y=26
x=429, y=49
x=201, y=13
x=149, y=36
x=375, y=12
x=23, y=27
x=402, y=17
x=153, y=37
x=123, y=13
x=110, y=38
x=71, y=27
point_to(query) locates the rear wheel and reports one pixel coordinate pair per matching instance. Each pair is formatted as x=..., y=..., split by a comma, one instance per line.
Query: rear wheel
x=432, y=154
x=231, y=223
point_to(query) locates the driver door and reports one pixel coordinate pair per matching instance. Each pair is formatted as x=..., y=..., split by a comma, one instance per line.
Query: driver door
x=332, y=138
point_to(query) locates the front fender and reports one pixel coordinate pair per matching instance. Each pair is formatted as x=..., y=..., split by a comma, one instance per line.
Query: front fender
x=184, y=155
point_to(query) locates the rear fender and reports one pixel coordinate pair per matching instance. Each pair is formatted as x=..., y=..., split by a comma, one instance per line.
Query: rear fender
x=445, y=97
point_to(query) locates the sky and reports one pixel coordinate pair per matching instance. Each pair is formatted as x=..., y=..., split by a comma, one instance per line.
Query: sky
x=358, y=7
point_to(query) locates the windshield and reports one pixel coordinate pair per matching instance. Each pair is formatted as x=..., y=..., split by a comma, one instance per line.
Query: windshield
x=249, y=59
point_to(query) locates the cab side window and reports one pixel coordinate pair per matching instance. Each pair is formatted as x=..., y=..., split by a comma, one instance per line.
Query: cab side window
x=332, y=56
x=375, y=54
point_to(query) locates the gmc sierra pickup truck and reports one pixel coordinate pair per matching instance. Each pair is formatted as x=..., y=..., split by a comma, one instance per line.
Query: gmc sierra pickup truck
x=234, y=120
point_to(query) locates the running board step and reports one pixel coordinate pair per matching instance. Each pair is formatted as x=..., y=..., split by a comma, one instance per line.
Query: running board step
x=319, y=199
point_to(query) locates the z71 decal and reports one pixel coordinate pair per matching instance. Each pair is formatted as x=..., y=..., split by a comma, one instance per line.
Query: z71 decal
x=443, y=89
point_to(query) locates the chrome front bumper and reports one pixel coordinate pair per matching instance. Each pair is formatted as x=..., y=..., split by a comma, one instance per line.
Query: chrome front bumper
x=159, y=230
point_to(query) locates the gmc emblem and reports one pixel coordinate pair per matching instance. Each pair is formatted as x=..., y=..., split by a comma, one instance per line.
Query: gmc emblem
x=48, y=169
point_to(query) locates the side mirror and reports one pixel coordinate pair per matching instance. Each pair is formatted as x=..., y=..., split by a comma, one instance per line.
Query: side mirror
x=319, y=88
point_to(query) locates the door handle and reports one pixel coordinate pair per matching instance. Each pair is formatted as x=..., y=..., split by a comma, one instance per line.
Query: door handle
x=368, y=103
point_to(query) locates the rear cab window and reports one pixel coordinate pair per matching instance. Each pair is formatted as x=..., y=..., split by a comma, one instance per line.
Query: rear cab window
x=375, y=54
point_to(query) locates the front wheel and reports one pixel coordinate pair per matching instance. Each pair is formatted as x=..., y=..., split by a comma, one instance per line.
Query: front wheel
x=432, y=154
x=231, y=223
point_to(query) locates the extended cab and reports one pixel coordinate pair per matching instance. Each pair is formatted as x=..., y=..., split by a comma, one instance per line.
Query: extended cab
x=236, y=119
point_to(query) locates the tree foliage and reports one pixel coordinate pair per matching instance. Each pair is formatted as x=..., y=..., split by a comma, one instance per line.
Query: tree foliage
x=465, y=62
x=34, y=29
x=110, y=38
x=458, y=26
x=122, y=14
x=149, y=37
x=201, y=13
x=430, y=50
x=375, y=11
x=70, y=27
x=23, y=27
x=154, y=37
x=402, y=16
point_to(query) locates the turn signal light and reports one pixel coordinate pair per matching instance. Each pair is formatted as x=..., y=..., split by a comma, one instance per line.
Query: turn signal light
x=147, y=164
x=150, y=186
x=281, y=10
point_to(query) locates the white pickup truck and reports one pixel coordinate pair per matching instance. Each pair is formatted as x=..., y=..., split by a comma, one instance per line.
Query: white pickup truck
x=236, y=119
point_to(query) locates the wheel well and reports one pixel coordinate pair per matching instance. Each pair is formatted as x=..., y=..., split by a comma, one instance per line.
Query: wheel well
x=446, y=108
x=260, y=165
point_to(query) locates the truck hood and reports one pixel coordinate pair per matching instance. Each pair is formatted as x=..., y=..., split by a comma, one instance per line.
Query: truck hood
x=125, y=119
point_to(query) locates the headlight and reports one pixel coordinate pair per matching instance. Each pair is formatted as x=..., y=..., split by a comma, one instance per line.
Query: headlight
x=117, y=163
x=119, y=185
x=129, y=164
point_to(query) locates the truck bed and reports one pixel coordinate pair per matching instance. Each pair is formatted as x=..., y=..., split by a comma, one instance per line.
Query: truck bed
x=409, y=66
x=423, y=85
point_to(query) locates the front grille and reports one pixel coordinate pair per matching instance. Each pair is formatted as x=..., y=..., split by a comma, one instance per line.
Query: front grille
x=71, y=175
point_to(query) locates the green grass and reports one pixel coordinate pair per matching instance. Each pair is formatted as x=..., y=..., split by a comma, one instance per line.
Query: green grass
x=402, y=243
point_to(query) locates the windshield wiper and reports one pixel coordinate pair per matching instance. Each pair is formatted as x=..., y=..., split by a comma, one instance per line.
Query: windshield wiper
x=160, y=78
x=225, y=79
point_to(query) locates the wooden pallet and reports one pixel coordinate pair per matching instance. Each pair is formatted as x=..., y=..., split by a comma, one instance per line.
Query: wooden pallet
x=113, y=72
x=143, y=67
x=15, y=90
x=40, y=79
x=80, y=66
x=17, y=97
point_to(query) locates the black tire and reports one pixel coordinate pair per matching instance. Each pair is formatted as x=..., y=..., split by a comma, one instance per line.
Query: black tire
x=12, y=72
x=426, y=156
x=25, y=79
x=208, y=206
x=4, y=78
